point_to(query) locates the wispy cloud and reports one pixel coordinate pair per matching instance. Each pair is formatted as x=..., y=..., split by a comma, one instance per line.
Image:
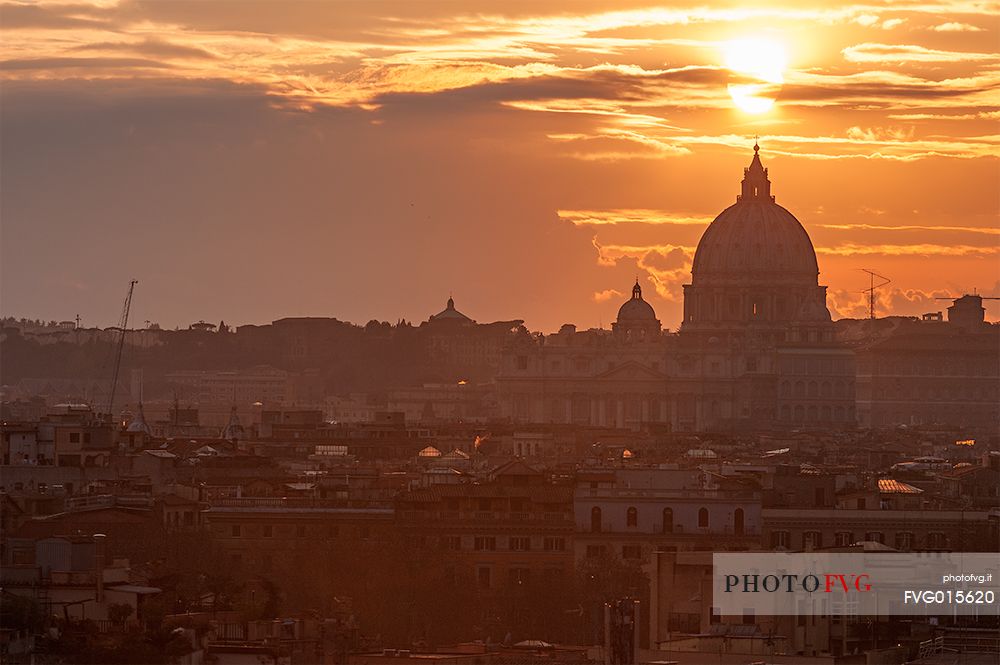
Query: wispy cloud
x=606, y=295
x=920, y=249
x=912, y=227
x=874, y=52
x=630, y=216
x=954, y=26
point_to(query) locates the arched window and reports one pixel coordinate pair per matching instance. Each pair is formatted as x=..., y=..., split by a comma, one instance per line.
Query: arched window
x=595, y=519
x=631, y=516
x=668, y=520
x=703, y=517
x=738, y=522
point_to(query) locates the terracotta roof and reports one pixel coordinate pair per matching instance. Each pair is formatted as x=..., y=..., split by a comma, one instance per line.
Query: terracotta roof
x=893, y=486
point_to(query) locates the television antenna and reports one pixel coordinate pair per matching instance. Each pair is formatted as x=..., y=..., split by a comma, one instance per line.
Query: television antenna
x=872, y=287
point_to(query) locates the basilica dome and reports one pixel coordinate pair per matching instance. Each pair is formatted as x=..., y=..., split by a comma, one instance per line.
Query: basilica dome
x=755, y=239
x=635, y=308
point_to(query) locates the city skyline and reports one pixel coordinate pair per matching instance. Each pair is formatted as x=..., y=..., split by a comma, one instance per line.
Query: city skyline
x=367, y=161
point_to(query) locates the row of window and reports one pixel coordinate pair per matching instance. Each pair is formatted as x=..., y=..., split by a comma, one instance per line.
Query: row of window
x=815, y=389
x=667, y=525
x=515, y=576
x=514, y=543
x=903, y=540
x=301, y=531
x=812, y=413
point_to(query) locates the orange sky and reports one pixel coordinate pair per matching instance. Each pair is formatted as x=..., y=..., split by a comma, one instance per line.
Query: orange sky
x=248, y=161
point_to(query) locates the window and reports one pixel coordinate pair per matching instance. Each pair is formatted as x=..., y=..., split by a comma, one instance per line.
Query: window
x=668, y=520
x=631, y=551
x=485, y=543
x=703, y=518
x=812, y=540
x=875, y=537
x=738, y=519
x=235, y=531
x=552, y=544
x=937, y=541
x=904, y=540
x=595, y=519
x=844, y=538
x=631, y=516
x=74, y=437
x=483, y=577
x=594, y=551
x=453, y=543
x=522, y=363
x=519, y=576
x=268, y=531
x=520, y=543
x=780, y=539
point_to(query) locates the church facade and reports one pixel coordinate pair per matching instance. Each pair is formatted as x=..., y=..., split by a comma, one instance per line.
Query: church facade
x=755, y=350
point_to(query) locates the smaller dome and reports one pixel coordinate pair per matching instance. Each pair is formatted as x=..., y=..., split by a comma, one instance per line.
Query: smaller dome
x=450, y=313
x=635, y=308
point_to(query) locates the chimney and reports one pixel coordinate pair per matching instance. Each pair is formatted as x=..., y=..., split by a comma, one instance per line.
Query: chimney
x=99, y=543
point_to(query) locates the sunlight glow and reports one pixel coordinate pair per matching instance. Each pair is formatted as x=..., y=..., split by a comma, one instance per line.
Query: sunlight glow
x=759, y=65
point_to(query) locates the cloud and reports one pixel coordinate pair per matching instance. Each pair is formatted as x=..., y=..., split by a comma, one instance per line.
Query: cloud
x=629, y=216
x=912, y=227
x=53, y=17
x=920, y=249
x=156, y=48
x=606, y=295
x=900, y=53
x=94, y=64
x=666, y=266
x=880, y=134
x=953, y=26
x=981, y=115
x=892, y=301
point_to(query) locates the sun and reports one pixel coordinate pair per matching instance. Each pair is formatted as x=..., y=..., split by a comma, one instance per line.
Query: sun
x=758, y=67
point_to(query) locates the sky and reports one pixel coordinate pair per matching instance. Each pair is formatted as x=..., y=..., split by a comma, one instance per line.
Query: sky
x=247, y=161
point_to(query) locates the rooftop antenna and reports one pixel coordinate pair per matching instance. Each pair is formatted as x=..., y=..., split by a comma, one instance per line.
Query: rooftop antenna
x=123, y=326
x=872, y=286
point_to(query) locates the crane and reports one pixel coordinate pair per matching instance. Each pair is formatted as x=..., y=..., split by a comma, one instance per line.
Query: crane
x=122, y=326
